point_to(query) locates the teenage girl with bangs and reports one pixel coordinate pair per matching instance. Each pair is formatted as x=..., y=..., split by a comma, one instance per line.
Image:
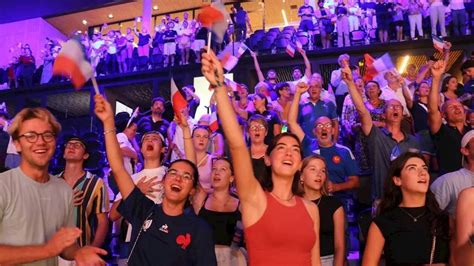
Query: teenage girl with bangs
x=332, y=218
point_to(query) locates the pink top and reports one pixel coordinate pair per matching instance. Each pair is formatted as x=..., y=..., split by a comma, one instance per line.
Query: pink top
x=283, y=235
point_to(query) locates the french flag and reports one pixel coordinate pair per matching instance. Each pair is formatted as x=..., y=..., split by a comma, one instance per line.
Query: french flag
x=234, y=85
x=72, y=63
x=213, y=123
x=370, y=71
x=229, y=61
x=241, y=50
x=383, y=63
x=438, y=43
x=216, y=19
x=290, y=50
x=177, y=99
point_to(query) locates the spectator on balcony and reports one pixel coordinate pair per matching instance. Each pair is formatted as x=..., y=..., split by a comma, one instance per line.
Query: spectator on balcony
x=198, y=39
x=48, y=60
x=242, y=21
x=325, y=24
x=169, y=48
x=122, y=54
x=415, y=9
x=354, y=15
x=111, y=58
x=398, y=20
x=383, y=14
x=458, y=16
x=26, y=67
x=144, y=40
x=342, y=25
x=184, y=43
x=130, y=39
x=437, y=16
x=306, y=12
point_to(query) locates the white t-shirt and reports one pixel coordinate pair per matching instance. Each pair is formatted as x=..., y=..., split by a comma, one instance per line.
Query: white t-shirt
x=124, y=142
x=388, y=94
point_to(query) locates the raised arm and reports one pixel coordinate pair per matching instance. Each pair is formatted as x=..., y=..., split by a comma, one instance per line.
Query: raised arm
x=260, y=76
x=182, y=122
x=103, y=111
x=307, y=64
x=293, y=112
x=434, y=115
x=405, y=91
x=365, y=118
x=248, y=188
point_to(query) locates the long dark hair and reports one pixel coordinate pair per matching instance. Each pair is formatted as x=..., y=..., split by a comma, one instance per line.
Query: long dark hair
x=393, y=196
x=267, y=182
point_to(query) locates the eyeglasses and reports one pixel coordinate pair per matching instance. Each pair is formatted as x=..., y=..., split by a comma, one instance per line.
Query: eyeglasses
x=321, y=126
x=175, y=174
x=394, y=107
x=257, y=127
x=74, y=145
x=32, y=137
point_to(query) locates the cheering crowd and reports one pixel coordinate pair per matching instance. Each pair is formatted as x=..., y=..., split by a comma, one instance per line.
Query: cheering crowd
x=178, y=42
x=299, y=152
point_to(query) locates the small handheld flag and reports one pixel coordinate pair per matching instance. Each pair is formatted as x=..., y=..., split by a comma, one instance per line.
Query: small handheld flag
x=177, y=99
x=71, y=62
x=438, y=43
x=290, y=50
x=213, y=123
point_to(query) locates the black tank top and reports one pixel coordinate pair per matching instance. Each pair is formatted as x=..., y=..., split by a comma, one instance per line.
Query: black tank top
x=222, y=223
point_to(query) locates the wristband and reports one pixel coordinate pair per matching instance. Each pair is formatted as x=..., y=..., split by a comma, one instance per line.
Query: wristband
x=109, y=131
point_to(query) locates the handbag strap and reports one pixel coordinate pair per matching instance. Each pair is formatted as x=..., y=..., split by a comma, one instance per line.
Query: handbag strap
x=433, y=247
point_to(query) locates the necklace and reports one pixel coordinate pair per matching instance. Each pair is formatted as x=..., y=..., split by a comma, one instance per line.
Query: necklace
x=319, y=201
x=281, y=198
x=415, y=218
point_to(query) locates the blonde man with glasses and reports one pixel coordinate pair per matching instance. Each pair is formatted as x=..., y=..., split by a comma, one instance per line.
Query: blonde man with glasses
x=36, y=211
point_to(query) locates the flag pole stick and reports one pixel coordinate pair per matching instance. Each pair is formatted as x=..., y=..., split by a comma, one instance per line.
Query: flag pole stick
x=209, y=34
x=94, y=84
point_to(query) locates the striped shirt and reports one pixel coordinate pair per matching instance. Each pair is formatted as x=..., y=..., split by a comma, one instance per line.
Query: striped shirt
x=96, y=201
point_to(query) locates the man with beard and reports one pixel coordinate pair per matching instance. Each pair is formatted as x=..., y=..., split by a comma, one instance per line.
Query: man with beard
x=155, y=121
x=446, y=137
x=36, y=211
x=148, y=180
x=385, y=144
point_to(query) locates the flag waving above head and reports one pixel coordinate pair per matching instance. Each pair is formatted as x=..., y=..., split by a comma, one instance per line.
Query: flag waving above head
x=216, y=19
x=290, y=50
x=229, y=61
x=438, y=43
x=177, y=99
x=71, y=62
x=370, y=71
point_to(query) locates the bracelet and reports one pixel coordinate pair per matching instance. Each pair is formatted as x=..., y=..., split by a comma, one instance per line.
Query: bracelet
x=109, y=131
x=217, y=85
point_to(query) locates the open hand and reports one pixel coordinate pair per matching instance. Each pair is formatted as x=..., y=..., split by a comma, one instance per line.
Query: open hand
x=149, y=186
x=88, y=256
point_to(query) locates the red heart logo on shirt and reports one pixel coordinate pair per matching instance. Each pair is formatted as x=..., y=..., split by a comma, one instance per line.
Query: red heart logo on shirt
x=183, y=240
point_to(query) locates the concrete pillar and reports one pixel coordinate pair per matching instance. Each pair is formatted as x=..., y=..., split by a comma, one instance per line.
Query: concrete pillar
x=146, y=15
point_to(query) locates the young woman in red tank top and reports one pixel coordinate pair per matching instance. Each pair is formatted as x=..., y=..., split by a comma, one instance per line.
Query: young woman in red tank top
x=280, y=228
